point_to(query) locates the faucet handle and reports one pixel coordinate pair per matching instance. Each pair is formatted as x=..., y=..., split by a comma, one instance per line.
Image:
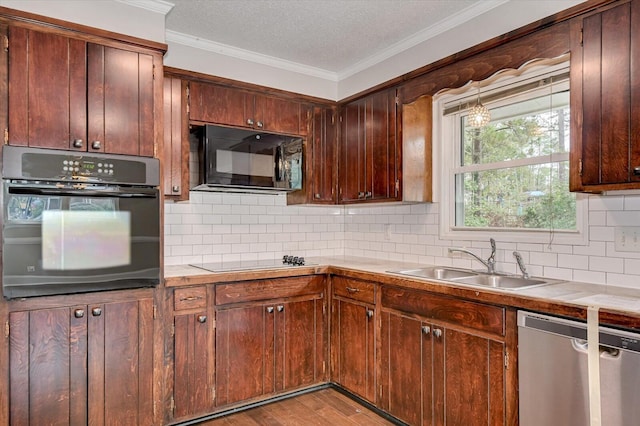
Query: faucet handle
x=520, y=263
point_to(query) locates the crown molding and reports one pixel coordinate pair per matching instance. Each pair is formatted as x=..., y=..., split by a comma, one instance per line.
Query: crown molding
x=157, y=6
x=422, y=36
x=247, y=55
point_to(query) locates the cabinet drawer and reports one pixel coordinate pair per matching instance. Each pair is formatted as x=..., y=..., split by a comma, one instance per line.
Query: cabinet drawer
x=451, y=310
x=354, y=289
x=252, y=291
x=189, y=298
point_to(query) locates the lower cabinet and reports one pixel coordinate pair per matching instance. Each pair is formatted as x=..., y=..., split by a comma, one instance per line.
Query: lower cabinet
x=83, y=364
x=353, y=336
x=270, y=337
x=445, y=360
x=193, y=352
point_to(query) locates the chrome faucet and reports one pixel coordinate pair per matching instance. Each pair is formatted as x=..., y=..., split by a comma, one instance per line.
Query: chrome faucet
x=520, y=262
x=490, y=263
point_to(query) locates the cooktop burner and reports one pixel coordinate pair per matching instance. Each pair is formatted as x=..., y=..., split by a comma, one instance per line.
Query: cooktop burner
x=285, y=262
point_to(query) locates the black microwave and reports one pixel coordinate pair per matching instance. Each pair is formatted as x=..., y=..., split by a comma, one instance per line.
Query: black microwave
x=246, y=160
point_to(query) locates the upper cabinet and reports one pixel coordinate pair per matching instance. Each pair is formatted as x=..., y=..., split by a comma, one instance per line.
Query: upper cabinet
x=212, y=103
x=370, y=156
x=69, y=93
x=605, y=100
x=176, y=139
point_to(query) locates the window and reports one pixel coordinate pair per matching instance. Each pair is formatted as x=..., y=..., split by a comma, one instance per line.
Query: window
x=510, y=177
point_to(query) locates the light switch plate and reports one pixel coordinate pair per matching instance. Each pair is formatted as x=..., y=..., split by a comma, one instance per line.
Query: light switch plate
x=627, y=238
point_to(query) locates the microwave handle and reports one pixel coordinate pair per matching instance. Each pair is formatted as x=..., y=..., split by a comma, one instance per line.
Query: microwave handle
x=279, y=164
x=31, y=190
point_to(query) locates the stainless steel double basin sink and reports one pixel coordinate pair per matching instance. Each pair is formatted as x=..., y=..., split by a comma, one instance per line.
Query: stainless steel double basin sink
x=475, y=278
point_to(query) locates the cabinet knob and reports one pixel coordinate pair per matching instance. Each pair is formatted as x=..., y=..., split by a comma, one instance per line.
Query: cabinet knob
x=361, y=194
x=95, y=145
x=636, y=171
x=369, y=313
x=368, y=194
x=202, y=319
x=317, y=195
x=96, y=312
x=78, y=313
x=426, y=329
x=249, y=122
x=259, y=124
x=175, y=188
x=270, y=309
x=437, y=332
x=280, y=308
x=77, y=143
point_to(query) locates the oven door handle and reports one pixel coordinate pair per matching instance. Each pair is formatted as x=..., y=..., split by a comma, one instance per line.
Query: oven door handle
x=120, y=193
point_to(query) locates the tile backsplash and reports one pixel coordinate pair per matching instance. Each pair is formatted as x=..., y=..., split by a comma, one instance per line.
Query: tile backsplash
x=214, y=227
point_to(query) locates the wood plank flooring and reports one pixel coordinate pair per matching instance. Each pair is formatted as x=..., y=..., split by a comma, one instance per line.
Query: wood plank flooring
x=325, y=407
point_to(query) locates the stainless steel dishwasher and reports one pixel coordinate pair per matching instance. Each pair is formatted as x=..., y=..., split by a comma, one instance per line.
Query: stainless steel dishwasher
x=553, y=378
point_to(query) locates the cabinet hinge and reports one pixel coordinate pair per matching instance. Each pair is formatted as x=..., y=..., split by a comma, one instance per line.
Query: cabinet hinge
x=213, y=324
x=6, y=43
x=6, y=136
x=397, y=100
x=6, y=329
x=213, y=393
x=397, y=186
x=506, y=360
x=155, y=312
x=172, y=405
x=173, y=329
x=153, y=71
x=188, y=96
x=580, y=167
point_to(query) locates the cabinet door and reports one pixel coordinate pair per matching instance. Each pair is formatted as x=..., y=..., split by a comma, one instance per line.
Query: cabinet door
x=370, y=152
x=607, y=71
x=120, y=362
x=193, y=362
x=279, y=115
x=353, y=347
x=176, y=140
x=47, y=89
x=406, y=369
x=210, y=103
x=48, y=367
x=120, y=101
x=352, y=152
x=322, y=156
x=241, y=345
x=469, y=378
x=300, y=347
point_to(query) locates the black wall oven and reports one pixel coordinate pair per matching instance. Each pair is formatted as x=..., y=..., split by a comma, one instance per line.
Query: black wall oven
x=76, y=223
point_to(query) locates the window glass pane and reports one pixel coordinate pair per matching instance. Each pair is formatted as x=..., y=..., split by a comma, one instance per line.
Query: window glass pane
x=534, y=197
x=525, y=129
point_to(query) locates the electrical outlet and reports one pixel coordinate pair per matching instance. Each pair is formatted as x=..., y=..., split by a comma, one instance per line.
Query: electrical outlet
x=627, y=238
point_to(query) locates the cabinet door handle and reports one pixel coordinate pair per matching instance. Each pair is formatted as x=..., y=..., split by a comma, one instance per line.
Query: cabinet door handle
x=352, y=289
x=95, y=145
x=202, y=319
x=270, y=309
x=77, y=143
x=369, y=313
x=249, y=122
x=280, y=308
x=426, y=329
x=437, y=332
x=96, y=312
x=78, y=313
x=189, y=298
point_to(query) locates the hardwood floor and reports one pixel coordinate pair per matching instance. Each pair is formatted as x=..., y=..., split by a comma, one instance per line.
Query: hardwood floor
x=326, y=407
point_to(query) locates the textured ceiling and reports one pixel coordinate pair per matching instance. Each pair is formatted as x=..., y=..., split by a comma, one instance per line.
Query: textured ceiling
x=330, y=35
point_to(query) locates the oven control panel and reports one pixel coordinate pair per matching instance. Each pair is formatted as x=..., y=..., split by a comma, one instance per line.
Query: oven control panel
x=62, y=166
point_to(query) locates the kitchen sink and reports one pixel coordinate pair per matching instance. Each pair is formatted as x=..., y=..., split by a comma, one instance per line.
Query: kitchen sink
x=475, y=278
x=438, y=273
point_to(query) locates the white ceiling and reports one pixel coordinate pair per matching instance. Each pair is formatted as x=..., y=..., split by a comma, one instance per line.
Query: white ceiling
x=334, y=36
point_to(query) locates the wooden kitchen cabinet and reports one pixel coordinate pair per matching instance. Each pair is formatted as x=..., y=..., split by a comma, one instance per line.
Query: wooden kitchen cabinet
x=74, y=94
x=270, y=337
x=605, y=100
x=353, y=336
x=176, y=139
x=370, y=157
x=193, y=352
x=84, y=364
x=445, y=360
x=212, y=103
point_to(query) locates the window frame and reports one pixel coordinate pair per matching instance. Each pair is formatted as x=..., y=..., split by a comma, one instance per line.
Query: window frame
x=447, y=129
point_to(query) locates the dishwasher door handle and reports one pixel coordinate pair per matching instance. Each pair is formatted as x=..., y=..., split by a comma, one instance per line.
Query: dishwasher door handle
x=582, y=346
